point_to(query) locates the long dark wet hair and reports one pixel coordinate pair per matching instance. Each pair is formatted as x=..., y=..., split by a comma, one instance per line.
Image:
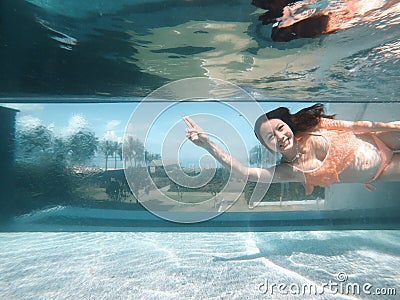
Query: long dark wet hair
x=303, y=120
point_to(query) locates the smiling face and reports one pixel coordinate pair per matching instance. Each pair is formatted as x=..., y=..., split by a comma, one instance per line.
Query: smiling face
x=276, y=135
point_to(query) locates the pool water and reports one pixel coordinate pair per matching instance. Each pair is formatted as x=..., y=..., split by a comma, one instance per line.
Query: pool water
x=120, y=51
x=182, y=265
x=131, y=47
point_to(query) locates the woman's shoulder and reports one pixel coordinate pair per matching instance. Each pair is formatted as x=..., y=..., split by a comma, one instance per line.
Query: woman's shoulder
x=314, y=143
x=316, y=131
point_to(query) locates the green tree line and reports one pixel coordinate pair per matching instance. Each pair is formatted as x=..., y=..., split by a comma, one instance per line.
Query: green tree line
x=45, y=163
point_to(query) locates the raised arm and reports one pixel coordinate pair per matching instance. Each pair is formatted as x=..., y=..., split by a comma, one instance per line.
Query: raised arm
x=359, y=126
x=281, y=173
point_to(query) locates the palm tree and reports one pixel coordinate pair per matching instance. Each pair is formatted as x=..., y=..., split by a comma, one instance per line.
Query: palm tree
x=133, y=151
x=116, y=150
x=107, y=149
x=127, y=150
x=138, y=149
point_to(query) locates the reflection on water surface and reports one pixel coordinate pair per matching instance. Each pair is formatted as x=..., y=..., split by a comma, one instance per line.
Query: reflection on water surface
x=130, y=48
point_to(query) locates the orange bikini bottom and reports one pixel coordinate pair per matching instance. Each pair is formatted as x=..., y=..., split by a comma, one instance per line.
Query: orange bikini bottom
x=386, y=156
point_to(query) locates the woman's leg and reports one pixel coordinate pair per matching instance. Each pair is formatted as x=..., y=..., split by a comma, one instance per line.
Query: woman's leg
x=391, y=139
x=392, y=170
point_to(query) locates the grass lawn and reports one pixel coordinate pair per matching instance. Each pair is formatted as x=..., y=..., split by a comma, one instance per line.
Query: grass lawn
x=190, y=197
x=98, y=193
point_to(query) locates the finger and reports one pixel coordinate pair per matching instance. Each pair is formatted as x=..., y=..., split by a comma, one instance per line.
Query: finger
x=189, y=122
x=193, y=139
x=192, y=134
x=185, y=119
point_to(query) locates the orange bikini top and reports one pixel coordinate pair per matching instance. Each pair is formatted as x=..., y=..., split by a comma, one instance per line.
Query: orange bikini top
x=341, y=152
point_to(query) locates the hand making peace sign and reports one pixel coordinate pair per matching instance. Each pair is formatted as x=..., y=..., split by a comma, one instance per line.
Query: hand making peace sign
x=195, y=133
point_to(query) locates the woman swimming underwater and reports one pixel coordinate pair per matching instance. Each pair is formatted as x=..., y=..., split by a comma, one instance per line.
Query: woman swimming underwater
x=293, y=19
x=316, y=149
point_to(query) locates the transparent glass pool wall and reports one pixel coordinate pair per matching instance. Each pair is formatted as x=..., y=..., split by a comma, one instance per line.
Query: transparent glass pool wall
x=77, y=167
